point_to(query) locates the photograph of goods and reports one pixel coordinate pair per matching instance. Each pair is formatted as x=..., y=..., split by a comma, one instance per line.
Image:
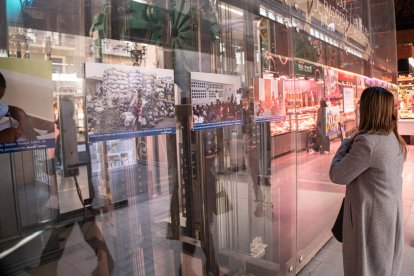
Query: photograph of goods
x=216, y=100
x=127, y=101
x=332, y=83
x=332, y=120
x=26, y=105
x=269, y=100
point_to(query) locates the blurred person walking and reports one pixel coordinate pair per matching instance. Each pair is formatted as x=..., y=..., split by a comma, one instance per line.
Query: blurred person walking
x=322, y=143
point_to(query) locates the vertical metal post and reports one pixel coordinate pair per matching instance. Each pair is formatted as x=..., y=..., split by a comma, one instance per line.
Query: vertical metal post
x=4, y=34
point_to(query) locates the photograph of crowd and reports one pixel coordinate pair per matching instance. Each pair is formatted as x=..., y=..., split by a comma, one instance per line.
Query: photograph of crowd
x=269, y=101
x=216, y=100
x=127, y=101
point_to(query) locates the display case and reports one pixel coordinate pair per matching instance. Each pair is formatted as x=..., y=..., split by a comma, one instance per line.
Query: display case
x=280, y=127
x=300, y=101
x=302, y=122
x=406, y=101
x=282, y=132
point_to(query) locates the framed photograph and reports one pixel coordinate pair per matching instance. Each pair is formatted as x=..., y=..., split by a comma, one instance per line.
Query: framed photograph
x=332, y=120
x=269, y=100
x=216, y=100
x=128, y=101
x=26, y=105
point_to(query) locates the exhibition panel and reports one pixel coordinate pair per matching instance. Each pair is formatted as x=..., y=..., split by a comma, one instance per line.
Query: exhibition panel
x=178, y=137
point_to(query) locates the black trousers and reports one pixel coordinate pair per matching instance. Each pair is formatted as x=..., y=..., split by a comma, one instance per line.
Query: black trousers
x=322, y=143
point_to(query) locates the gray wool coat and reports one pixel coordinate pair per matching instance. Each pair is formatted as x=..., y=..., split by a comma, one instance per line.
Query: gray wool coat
x=373, y=219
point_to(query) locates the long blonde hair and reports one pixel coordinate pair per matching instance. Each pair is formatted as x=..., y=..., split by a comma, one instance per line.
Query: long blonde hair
x=378, y=115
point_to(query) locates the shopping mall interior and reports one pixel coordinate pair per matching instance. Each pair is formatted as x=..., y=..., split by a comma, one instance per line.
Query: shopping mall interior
x=180, y=137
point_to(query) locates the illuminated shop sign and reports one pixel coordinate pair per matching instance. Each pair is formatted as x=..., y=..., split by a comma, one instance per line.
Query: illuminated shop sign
x=346, y=79
x=304, y=69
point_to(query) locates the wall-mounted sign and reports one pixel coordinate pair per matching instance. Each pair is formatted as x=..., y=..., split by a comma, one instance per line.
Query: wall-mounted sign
x=346, y=79
x=26, y=107
x=305, y=69
x=349, y=104
x=127, y=101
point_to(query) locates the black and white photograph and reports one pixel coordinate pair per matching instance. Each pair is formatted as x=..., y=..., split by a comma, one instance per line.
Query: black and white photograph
x=128, y=101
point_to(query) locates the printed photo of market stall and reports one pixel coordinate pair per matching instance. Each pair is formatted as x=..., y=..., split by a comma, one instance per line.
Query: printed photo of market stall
x=269, y=99
x=127, y=101
x=216, y=100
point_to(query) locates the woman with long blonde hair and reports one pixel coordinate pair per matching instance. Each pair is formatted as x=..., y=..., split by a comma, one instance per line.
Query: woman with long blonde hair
x=370, y=164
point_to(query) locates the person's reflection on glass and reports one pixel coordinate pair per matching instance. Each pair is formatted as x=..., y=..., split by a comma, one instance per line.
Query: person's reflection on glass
x=59, y=235
x=92, y=235
x=248, y=117
x=58, y=145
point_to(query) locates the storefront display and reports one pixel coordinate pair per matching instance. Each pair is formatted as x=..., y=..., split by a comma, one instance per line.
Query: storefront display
x=406, y=101
x=302, y=100
x=280, y=127
x=216, y=100
x=302, y=95
x=26, y=115
x=405, y=94
x=126, y=101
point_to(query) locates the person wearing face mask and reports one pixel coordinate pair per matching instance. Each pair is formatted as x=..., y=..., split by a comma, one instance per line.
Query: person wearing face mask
x=14, y=122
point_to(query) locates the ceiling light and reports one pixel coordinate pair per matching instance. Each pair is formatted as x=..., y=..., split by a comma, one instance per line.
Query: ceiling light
x=236, y=12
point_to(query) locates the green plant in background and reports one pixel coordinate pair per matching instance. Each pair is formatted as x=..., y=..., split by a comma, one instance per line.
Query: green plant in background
x=145, y=22
x=182, y=27
x=98, y=23
x=182, y=19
